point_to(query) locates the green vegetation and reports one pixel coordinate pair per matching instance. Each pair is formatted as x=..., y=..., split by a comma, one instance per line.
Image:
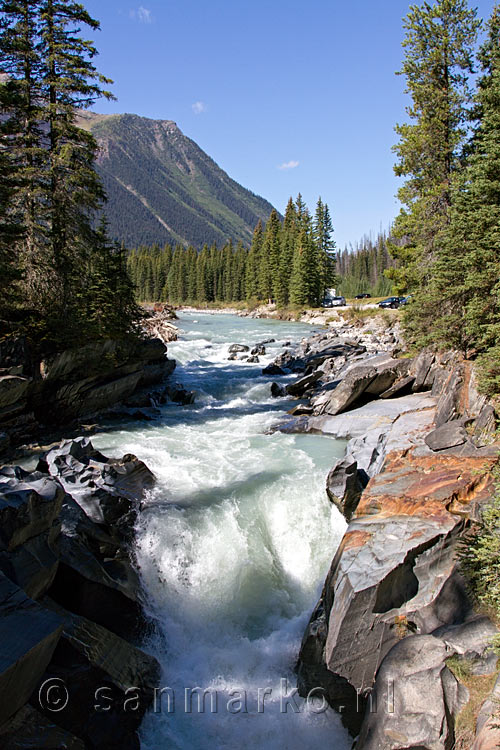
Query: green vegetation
x=292, y=263
x=162, y=188
x=361, y=270
x=448, y=255
x=62, y=280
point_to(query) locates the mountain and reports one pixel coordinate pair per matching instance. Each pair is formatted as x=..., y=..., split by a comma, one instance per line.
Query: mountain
x=162, y=187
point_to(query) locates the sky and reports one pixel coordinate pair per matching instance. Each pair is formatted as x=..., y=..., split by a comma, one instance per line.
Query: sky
x=286, y=96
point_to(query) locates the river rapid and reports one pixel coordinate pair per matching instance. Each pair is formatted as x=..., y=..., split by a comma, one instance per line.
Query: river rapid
x=233, y=546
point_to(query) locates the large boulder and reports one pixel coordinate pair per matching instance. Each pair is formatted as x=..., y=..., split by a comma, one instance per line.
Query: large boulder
x=449, y=435
x=107, y=489
x=345, y=484
x=368, y=380
x=100, y=668
x=238, y=348
x=29, y=505
x=29, y=635
x=28, y=729
x=395, y=571
x=300, y=386
x=12, y=389
x=415, y=699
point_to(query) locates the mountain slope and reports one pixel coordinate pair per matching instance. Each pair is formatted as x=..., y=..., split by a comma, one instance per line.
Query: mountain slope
x=162, y=187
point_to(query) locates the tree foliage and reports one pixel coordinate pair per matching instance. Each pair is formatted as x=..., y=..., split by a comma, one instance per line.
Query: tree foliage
x=50, y=189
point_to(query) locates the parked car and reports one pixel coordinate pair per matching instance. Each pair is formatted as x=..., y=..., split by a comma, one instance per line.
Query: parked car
x=392, y=302
x=362, y=296
x=404, y=300
x=338, y=301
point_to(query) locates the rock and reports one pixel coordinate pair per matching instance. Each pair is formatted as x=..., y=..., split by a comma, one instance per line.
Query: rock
x=95, y=578
x=12, y=388
x=488, y=722
x=345, y=484
x=370, y=379
x=484, y=426
x=29, y=636
x=259, y=349
x=233, y=356
x=300, y=410
x=238, y=348
x=471, y=642
x=4, y=442
x=420, y=370
x=28, y=729
x=253, y=359
x=29, y=505
x=89, y=658
x=268, y=341
x=180, y=395
x=448, y=405
x=33, y=565
x=301, y=385
x=395, y=570
x=448, y=435
x=277, y=391
x=400, y=387
x=272, y=370
x=106, y=489
x=417, y=699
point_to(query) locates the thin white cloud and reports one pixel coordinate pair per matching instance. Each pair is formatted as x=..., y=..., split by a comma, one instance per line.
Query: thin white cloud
x=141, y=14
x=289, y=164
x=199, y=107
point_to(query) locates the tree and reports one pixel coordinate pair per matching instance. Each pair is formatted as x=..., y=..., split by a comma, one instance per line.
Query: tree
x=438, y=45
x=325, y=245
x=466, y=276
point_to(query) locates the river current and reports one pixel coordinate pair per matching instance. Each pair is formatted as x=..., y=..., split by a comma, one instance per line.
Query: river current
x=233, y=547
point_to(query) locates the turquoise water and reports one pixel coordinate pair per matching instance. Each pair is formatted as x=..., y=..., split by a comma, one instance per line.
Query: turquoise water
x=233, y=547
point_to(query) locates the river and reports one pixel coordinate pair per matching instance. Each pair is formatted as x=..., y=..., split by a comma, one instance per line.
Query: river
x=232, y=547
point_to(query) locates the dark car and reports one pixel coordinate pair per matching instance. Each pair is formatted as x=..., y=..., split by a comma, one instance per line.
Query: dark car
x=392, y=302
x=404, y=300
x=362, y=296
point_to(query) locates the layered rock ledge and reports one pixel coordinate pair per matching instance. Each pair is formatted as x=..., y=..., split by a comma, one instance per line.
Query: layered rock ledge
x=70, y=603
x=416, y=473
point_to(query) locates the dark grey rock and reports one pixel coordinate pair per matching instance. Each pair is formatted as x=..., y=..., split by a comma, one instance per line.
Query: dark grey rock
x=259, y=349
x=344, y=485
x=33, y=565
x=400, y=387
x=238, y=348
x=272, y=370
x=277, y=391
x=28, y=729
x=29, y=635
x=301, y=385
x=106, y=489
x=417, y=699
x=420, y=369
x=29, y=505
x=254, y=358
x=448, y=435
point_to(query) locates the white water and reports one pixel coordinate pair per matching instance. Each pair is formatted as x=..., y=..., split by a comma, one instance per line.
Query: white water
x=233, y=547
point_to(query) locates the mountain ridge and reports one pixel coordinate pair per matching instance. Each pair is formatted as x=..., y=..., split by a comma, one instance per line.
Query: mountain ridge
x=162, y=187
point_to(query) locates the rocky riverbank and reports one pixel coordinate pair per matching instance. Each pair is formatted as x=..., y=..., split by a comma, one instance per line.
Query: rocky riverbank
x=38, y=394
x=417, y=471
x=70, y=603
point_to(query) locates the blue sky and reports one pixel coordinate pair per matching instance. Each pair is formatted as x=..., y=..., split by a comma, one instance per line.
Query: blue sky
x=286, y=96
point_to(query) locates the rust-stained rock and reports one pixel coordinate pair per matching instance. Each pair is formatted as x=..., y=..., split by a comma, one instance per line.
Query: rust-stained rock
x=395, y=571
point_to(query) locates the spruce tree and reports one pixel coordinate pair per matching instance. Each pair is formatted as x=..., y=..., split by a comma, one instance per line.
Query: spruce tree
x=466, y=281
x=287, y=244
x=438, y=46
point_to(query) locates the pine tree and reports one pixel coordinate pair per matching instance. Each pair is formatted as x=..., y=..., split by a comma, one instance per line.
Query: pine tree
x=253, y=264
x=325, y=247
x=466, y=281
x=438, y=45
x=288, y=236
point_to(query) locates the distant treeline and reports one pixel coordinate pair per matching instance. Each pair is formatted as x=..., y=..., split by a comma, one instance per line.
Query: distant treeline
x=361, y=270
x=291, y=262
